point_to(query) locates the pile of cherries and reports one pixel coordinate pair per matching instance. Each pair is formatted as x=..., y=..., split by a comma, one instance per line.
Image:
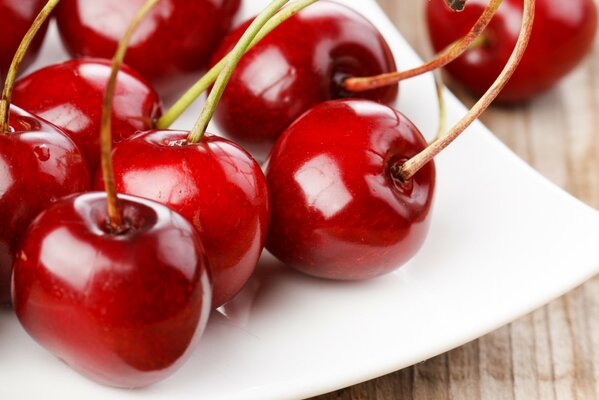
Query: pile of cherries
x=122, y=290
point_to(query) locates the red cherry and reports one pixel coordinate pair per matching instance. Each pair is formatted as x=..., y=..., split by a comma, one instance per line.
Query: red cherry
x=16, y=16
x=178, y=36
x=38, y=165
x=300, y=64
x=562, y=35
x=70, y=96
x=339, y=208
x=123, y=309
x=214, y=184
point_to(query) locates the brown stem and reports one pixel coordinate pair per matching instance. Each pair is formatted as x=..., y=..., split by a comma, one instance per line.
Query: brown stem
x=412, y=166
x=456, y=5
x=361, y=84
x=116, y=221
x=17, y=60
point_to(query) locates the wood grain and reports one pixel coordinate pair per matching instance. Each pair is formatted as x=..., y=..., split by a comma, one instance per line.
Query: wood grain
x=552, y=353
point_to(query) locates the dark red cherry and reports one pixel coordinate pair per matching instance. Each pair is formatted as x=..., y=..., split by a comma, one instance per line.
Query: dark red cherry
x=178, y=36
x=123, y=309
x=16, y=16
x=562, y=35
x=70, y=95
x=38, y=165
x=339, y=207
x=300, y=64
x=214, y=184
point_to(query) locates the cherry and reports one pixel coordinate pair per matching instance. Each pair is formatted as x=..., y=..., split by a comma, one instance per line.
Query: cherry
x=70, y=96
x=562, y=35
x=301, y=63
x=38, y=165
x=125, y=309
x=215, y=184
x=16, y=16
x=127, y=274
x=178, y=37
x=340, y=209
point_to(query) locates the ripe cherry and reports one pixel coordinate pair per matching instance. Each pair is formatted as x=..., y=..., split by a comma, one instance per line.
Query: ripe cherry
x=123, y=308
x=300, y=64
x=562, y=35
x=38, y=165
x=215, y=184
x=16, y=16
x=127, y=274
x=178, y=37
x=340, y=209
x=70, y=96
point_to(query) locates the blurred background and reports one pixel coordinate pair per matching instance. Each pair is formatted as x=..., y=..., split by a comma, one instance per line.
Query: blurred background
x=554, y=352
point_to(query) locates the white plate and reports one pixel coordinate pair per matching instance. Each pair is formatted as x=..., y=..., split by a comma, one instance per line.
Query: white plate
x=503, y=242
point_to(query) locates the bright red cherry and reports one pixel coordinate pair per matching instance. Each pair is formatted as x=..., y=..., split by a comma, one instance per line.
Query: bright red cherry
x=16, y=16
x=300, y=64
x=125, y=309
x=38, y=165
x=214, y=184
x=70, y=96
x=562, y=35
x=178, y=36
x=339, y=207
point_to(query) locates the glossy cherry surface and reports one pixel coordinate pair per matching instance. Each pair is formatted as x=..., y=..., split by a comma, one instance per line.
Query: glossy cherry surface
x=338, y=209
x=298, y=65
x=562, y=35
x=70, y=95
x=214, y=184
x=16, y=16
x=38, y=165
x=123, y=309
x=177, y=37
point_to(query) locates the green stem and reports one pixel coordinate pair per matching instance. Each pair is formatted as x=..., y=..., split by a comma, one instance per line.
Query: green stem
x=116, y=220
x=413, y=165
x=197, y=133
x=175, y=111
x=18, y=60
x=441, y=100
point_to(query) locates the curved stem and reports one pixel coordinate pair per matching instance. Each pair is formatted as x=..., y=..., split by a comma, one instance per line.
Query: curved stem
x=175, y=111
x=116, y=221
x=413, y=165
x=361, y=84
x=225, y=75
x=18, y=60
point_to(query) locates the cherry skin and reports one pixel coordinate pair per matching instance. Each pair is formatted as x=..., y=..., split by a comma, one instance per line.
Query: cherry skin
x=562, y=35
x=215, y=184
x=70, y=95
x=339, y=208
x=16, y=16
x=177, y=37
x=298, y=65
x=123, y=309
x=38, y=165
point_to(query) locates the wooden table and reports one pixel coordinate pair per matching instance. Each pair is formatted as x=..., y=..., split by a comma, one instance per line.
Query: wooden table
x=552, y=353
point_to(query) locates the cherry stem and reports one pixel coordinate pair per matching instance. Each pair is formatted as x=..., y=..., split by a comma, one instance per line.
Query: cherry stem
x=361, y=84
x=242, y=46
x=116, y=220
x=413, y=165
x=441, y=100
x=18, y=60
x=175, y=111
